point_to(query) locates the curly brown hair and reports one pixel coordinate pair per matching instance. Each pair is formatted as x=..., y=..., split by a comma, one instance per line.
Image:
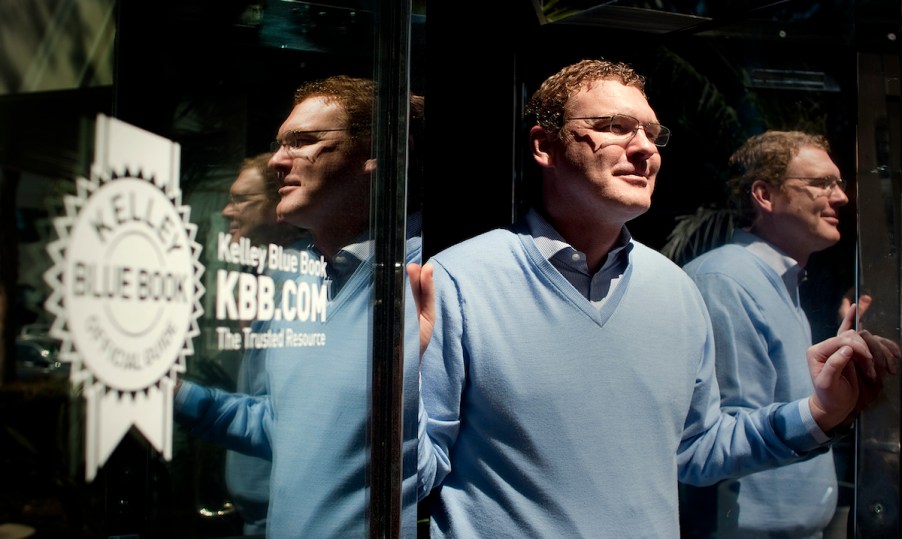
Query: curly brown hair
x=766, y=157
x=546, y=107
x=355, y=96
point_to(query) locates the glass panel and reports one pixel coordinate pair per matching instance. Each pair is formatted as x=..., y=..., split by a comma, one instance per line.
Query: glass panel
x=718, y=73
x=880, y=194
x=162, y=211
x=52, y=45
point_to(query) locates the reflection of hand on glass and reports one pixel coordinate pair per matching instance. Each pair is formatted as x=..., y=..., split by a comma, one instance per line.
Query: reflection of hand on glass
x=864, y=303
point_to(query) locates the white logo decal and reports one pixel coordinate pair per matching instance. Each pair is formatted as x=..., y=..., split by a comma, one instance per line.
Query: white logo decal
x=126, y=289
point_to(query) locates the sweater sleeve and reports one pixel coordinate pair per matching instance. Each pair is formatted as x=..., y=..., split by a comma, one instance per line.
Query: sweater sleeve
x=717, y=445
x=233, y=420
x=442, y=378
x=745, y=372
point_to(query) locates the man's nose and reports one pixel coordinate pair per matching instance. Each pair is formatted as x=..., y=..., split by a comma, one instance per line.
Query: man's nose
x=838, y=197
x=641, y=142
x=280, y=160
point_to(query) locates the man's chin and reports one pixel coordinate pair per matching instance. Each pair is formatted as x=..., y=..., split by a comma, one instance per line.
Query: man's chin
x=292, y=218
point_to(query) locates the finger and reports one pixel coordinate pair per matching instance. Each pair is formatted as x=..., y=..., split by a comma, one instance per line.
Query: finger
x=833, y=368
x=864, y=303
x=844, y=307
x=413, y=273
x=886, y=352
x=423, y=285
x=427, y=292
x=848, y=321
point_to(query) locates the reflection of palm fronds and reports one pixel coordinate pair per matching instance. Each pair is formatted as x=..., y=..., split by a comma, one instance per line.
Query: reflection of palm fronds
x=716, y=126
x=697, y=233
x=555, y=11
x=714, y=119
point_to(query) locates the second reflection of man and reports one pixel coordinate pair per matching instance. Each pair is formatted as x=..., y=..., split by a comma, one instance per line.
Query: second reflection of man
x=311, y=418
x=251, y=212
x=791, y=192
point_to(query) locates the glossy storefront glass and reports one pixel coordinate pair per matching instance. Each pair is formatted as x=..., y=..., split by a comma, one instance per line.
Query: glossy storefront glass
x=296, y=338
x=151, y=260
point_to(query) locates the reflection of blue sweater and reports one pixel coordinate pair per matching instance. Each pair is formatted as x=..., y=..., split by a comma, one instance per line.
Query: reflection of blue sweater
x=313, y=420
x=548, y=417
x=762, y=336
x=247, y=477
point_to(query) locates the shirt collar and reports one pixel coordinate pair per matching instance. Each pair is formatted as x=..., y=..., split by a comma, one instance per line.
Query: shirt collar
x=352, y=255
x=786, y=267
x=550, y=242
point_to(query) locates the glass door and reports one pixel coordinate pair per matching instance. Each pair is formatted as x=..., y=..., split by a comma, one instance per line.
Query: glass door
x=203, y=277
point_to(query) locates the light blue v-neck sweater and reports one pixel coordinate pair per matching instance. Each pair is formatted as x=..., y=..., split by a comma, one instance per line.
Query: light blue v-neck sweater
x=762, y=336
x=547, y=417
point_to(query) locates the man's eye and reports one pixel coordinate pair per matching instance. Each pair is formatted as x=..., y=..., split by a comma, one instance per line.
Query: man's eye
x=619, y=126
x=297, y=141
x=602, y=126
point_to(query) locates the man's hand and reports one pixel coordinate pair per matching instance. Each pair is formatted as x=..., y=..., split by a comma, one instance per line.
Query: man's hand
x=423, y=285
x=886, y=353
x=839, y=366
x=886, y=359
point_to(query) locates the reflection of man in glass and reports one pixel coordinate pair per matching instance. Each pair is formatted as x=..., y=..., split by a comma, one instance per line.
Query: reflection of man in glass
x=792, y=191
x=251, y=209
x=570, y=379
x=312, y=418
x=251, y=212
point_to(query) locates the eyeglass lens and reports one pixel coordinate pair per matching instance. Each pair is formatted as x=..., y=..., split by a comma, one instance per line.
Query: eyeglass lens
x=243, y=197
x=623, y=125
x=828, y=183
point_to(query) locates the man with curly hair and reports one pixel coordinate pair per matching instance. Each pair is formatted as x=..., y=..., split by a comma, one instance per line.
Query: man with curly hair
x=790, y=191
x=251, y=214
x=311, y=417
x=569, y=380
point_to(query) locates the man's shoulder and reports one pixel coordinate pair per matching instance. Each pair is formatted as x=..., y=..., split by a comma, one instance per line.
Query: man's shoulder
x=648, y=259
x=724, y=258
x=483, y=246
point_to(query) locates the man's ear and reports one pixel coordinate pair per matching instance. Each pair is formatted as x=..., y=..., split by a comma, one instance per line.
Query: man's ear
x=762, y=194
x=542, y=145
x=369, y=166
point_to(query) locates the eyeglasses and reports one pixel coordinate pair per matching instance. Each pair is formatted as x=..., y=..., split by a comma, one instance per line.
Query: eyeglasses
x=826, y=183
x=294, y=141
x=241, y=198
x=625, y=127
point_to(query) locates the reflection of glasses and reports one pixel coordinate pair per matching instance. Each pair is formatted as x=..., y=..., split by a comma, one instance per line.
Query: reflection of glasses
x=827, y=183
x=626, y=127
x=293, y=141
x=241, y=198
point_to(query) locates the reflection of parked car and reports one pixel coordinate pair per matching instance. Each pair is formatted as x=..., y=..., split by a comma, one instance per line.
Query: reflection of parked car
x=37, y=359
x=35, y=330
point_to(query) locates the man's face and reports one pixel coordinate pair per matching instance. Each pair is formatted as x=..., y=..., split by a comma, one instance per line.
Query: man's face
x=249, y=208
x=324, y=175
x=804, y=214
x=597, y=172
